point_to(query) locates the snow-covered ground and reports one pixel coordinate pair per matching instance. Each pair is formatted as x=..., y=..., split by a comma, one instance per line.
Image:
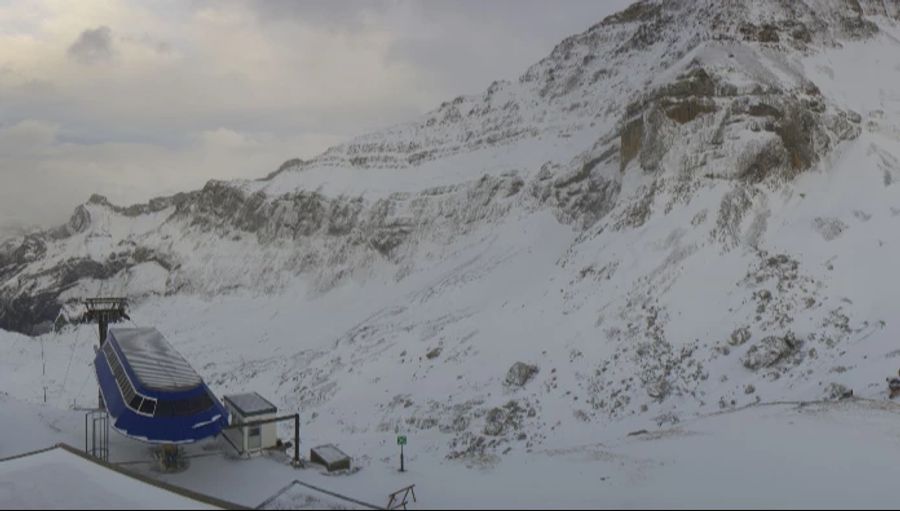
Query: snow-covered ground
x=823, y=455
x=663, y=226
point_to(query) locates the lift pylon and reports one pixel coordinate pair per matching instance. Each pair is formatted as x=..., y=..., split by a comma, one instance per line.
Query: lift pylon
x=103, y=311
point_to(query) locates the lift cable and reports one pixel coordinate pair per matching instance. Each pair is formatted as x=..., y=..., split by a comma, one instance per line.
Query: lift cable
x=87, y=377
x=71, y=355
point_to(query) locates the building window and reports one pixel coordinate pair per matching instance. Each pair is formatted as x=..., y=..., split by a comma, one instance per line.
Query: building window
x=148, y=406
x=130, y=397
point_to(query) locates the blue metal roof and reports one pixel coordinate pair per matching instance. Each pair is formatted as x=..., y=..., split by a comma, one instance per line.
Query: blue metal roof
x=151, y=391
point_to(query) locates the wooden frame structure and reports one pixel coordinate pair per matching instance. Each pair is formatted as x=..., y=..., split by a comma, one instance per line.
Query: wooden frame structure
x=400, y=498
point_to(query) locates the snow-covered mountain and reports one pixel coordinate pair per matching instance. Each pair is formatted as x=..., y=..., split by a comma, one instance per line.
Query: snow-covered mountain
x=689, y=207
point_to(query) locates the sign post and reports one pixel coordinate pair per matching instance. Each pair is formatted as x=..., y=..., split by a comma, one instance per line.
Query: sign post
x=401, y=441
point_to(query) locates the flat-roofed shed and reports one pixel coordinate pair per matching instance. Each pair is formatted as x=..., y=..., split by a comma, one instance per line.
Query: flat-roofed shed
x=250, y=404
x=249, y=408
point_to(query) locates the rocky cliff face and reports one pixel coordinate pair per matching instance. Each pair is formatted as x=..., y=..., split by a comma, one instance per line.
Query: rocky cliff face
x=682, y=92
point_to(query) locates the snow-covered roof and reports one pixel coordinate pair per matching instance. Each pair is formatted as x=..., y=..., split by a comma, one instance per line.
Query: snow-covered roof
x=62, y=477
x=251, y=403
x=330, y=453
x=154, y=361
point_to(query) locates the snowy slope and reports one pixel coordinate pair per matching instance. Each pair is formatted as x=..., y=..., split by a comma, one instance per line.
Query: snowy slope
x=829, y=455
x=688, y=208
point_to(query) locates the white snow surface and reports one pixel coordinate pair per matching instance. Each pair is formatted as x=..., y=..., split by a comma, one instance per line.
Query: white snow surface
x=665, y=292
x=58, y=479
x=823, y=455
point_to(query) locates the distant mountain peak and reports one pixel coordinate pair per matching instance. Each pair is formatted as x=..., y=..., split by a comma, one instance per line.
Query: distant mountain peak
x=688, y=207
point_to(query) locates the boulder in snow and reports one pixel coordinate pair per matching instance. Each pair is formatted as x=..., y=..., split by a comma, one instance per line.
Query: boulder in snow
x=520, y=373
x=739, y=336
x=503, y=419
x=836, y=392
x=770, y=351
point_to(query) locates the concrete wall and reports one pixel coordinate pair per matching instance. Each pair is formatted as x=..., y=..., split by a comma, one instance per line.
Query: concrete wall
x=268, y=432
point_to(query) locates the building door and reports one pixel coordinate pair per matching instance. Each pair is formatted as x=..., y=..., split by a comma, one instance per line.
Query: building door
x=254, y=439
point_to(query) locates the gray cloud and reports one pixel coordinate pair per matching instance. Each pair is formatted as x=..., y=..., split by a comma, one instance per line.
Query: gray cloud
x=227, y=88
x=93, y=46
x=148, y=41
x=457, y=46
x=336, y=15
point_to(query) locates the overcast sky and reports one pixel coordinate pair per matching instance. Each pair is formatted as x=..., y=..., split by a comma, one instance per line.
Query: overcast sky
x=135, y=99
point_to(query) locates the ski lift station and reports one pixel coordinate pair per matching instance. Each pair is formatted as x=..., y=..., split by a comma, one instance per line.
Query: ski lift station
x=251, y=408
x=152, y=393
x=148, y=392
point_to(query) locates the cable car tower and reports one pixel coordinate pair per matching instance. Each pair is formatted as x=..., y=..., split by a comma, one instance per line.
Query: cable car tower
x=104, y=311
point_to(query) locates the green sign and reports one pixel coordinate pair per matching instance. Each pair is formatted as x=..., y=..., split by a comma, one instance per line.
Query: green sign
x=401, y=440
